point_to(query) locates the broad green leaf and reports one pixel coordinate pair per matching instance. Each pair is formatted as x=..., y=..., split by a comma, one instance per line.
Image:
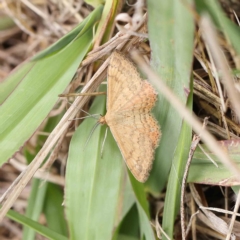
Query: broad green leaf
x=10, y=83
x=171, y=29
x=37, y=90
x=93, y=184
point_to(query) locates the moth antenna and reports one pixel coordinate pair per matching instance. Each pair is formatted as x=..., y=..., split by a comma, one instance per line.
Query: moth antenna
x=91, y=133
x=95, y=116
x=91, y=115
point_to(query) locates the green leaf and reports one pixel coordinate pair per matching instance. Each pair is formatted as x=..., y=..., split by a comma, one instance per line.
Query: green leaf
x=93, y=183
x=35, y=206
x=10, y=83
x=45, y=197
x=127, y=203
x=171, y=30
x=127, y=230
x=37, y=90
x=143, y=209
x=46, y=232
x=54, y=209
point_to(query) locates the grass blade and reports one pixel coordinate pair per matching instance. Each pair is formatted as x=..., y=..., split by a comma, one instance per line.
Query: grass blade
x=93, y=183
x=37, y=92
x=171, y=40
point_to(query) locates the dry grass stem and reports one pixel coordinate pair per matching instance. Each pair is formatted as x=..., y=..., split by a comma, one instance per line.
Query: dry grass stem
x=41, y=173
x=221, y=63
x=195, y=142
x=208, y=217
